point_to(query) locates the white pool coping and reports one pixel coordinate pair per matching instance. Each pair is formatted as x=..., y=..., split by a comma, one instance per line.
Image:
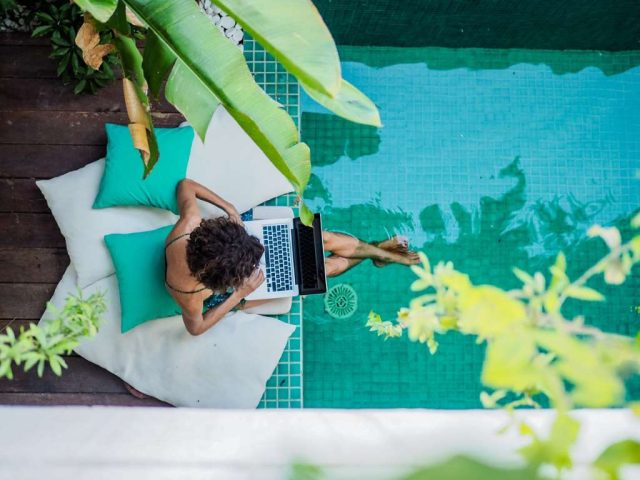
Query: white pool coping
x=140, y=443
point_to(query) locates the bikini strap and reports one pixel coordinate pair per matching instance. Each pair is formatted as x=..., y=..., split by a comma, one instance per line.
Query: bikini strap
x=190, y=292
x=187, y=292
x=173, y=240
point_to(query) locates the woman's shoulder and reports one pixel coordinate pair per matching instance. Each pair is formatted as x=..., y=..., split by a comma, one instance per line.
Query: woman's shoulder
x=183, y=227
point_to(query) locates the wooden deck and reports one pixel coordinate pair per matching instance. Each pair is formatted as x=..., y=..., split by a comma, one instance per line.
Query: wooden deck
x=45, y=131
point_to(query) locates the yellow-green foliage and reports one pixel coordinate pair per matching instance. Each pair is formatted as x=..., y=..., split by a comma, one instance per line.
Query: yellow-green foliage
x=532, y=350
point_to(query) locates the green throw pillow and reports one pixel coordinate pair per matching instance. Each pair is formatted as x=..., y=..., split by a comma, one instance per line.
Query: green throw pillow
x=140, y=267
x=122, y=182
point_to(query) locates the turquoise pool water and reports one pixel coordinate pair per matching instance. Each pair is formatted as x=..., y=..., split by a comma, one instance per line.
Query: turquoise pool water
x=488, y=158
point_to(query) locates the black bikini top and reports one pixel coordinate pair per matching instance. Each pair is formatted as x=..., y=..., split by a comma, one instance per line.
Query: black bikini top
x=190, y=292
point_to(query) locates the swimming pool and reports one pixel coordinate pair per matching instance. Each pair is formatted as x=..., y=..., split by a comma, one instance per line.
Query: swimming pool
x=490, y=158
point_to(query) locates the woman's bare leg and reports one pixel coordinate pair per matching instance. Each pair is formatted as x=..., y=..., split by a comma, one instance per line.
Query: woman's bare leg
x=335, y=265
x=350, y=247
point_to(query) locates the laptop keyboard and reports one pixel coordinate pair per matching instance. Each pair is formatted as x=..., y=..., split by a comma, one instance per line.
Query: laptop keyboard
x=277, y=246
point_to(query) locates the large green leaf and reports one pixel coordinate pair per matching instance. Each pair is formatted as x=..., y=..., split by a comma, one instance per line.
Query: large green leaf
x=100, y=9
x=349, y=103
x=459, y=467
x=207, y=69
x=295, y=34
x=157, y=61
x=292, y=31
x=462, y=467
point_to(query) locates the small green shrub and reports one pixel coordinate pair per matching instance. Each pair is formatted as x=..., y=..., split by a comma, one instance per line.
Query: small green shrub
x=46, y=343
x=59, y=21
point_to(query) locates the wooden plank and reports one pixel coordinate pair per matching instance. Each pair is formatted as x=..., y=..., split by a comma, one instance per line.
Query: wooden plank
x=49, y=94
x=45, y=161
x=20, y=38
x=29, y=230
x=15, y=324
x=82, y=379
x=24, y=300
x=82, y=376
x=89, y=399
x=21, y=195
x=67, y=128
x=31, y=61
x=32, y=265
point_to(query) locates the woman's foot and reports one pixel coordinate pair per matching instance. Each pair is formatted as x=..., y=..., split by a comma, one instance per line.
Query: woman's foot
x=134, y=392
x=398, y=245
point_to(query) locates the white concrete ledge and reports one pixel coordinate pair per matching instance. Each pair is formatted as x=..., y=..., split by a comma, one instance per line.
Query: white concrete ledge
x=115, y=442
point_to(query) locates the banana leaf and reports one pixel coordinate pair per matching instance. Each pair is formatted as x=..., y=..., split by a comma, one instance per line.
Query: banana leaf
x=295, y=34
x=349, y=103
x=100, y=9
x=204, y=69
x=292, y=31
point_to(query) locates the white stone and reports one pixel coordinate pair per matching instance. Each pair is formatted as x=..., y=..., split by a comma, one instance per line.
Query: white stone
x=237, y=35
x=227, y=22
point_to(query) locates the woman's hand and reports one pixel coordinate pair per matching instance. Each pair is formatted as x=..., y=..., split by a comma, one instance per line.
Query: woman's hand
x=251, y=283
x=234, y=215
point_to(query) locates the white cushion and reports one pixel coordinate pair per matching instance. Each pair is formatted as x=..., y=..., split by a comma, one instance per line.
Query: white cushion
x=70, y=197
x=229, y=163
x=226, y=367
x=232, y=165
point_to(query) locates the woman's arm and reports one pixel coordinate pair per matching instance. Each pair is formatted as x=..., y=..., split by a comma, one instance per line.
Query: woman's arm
x=197, y=323
x=189, y=190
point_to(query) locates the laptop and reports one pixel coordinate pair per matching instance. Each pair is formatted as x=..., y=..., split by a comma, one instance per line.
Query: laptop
x=293, y=259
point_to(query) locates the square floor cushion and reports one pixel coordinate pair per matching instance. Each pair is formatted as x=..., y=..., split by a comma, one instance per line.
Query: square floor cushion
x=70, y=197
x=140, y=269
x=225, y=367
x=226, y=149
x=123, y=183
x=139, y=260
x=231, y=164
x=228, y=162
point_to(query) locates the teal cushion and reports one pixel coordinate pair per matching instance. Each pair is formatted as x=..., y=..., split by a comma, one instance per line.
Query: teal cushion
x=122, y=182
x=140, y=268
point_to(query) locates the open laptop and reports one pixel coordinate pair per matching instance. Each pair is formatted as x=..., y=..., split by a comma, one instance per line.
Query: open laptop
x=293, y=259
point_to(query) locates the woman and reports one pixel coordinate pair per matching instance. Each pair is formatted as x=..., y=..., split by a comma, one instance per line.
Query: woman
x=212, y=265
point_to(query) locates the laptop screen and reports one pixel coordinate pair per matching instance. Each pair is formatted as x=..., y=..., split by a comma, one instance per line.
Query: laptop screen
x=311, y=276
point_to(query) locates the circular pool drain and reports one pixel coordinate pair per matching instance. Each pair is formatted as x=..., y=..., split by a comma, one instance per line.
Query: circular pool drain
x=341, y=301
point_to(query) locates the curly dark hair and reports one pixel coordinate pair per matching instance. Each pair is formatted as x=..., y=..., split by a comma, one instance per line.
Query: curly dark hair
x=221, y=254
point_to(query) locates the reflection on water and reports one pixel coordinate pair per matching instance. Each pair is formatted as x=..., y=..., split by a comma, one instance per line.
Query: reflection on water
x=490, y=169
x=338, y=138
x=559, y=62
